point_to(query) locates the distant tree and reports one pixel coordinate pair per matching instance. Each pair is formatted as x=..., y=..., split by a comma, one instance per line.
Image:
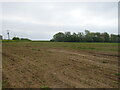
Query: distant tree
x=113, y=38
x=74, y=37
x=25, y=39
x=15, y=38
x=87, y=32
x=81, y=36
x=88, y=36
x=52, y=40
x=98, y=37
x=118, y=38
x=105, y=37
x=59, y=37
x=67, y=37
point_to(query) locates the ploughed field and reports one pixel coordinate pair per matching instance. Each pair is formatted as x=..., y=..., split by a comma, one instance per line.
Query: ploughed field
x=60, y=65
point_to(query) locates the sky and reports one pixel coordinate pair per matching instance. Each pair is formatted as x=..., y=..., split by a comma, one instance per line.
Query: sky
x=41, y=20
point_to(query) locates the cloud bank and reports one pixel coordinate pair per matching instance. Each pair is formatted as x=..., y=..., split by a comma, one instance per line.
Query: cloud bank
x=40, y=21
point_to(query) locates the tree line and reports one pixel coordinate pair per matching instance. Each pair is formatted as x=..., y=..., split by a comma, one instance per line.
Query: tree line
x=87, y=36
x=22, y=39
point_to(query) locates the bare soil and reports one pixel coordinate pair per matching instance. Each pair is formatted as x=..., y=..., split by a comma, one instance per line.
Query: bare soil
x=35, y=67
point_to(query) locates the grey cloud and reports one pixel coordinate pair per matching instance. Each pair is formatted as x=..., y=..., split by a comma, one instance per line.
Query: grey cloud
x=43, y=20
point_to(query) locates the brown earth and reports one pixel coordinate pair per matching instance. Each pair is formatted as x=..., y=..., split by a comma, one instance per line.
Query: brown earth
x=58, y=68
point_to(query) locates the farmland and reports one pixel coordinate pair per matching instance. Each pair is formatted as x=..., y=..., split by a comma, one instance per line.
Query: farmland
x=60, y=65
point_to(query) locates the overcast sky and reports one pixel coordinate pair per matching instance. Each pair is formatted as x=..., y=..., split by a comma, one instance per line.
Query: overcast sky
x=40, y=21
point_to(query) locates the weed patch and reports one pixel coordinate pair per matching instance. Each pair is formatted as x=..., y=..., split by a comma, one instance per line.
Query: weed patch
x=117, y=74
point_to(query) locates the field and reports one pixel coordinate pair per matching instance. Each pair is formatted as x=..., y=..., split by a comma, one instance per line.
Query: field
x=60, y=65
